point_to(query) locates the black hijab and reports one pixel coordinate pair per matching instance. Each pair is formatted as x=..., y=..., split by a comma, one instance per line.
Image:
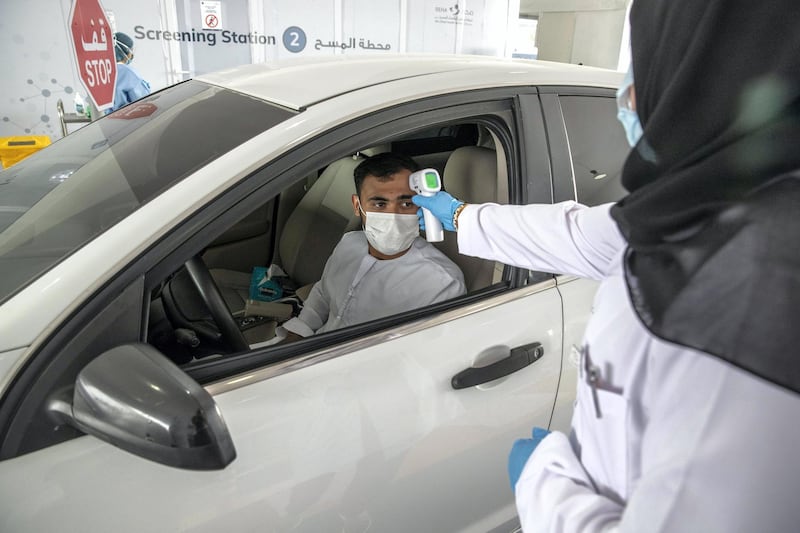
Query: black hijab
x=713, y=215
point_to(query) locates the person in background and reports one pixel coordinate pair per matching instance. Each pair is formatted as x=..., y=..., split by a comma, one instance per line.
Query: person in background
x=130, y=86
x=689, y=380
x=386, y=268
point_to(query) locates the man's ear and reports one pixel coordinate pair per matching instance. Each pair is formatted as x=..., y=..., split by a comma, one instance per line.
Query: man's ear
x=354, y=199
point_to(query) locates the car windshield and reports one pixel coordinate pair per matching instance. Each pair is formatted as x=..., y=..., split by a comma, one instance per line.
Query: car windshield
x=63, y=196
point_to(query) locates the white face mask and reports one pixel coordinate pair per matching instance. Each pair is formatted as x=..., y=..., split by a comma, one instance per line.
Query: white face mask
x=390, y=233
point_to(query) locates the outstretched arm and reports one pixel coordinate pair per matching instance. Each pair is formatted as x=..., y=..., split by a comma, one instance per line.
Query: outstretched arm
x=564, y=238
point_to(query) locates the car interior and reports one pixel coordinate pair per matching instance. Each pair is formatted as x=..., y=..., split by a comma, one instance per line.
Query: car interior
x=206, y=308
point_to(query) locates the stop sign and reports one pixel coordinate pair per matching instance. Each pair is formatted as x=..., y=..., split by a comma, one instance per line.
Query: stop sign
x=93, y=42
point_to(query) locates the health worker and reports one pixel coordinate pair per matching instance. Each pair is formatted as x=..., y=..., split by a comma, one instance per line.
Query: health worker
x=687, y=399
x=130, y=86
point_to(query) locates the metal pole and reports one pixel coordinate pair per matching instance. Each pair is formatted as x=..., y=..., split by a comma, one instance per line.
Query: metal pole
x=73, y=118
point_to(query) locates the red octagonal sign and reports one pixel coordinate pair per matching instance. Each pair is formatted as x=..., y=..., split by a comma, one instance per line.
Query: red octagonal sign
x=93, y=42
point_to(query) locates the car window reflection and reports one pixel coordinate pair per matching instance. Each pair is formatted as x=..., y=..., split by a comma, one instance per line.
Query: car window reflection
x=66, y=194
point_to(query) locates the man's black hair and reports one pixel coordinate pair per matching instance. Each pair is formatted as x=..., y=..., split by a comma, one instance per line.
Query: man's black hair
x=382, y=166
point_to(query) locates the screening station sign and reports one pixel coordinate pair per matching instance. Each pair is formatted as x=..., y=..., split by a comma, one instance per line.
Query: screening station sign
x=93, y=42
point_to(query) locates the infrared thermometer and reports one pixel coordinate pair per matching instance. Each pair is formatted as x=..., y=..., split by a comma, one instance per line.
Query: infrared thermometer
x=426, y=182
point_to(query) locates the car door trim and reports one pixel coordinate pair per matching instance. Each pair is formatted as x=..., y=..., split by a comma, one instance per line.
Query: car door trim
x=325, y=354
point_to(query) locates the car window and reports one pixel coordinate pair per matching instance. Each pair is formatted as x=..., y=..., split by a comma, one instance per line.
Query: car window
x=269, y=296
x=598, y=147
x=54, y=201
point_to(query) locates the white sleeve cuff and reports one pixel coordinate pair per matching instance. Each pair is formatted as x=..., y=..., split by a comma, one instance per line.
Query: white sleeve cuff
x=298, y=327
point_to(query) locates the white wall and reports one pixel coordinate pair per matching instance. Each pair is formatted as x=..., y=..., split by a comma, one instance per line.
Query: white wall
x=587, y=38
x=588, y=32
x=533, y=7
x=38, y=64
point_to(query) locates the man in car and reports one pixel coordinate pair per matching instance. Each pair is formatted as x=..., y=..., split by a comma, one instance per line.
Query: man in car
x=386, y=268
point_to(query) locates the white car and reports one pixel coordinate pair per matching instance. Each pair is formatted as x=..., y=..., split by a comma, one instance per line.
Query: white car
x=140, y=391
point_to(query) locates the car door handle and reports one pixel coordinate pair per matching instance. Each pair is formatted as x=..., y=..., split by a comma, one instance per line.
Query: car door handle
x=520, y=357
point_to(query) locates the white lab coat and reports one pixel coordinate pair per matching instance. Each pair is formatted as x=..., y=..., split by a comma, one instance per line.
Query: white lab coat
x=356, y=287
x=685, y=442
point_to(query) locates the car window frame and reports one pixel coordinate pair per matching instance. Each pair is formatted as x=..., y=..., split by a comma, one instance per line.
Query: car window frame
x=607, y=157
x=247, y=196
x=562, y=171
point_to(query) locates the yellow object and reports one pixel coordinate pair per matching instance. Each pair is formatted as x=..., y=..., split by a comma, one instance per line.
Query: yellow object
x=15, y=149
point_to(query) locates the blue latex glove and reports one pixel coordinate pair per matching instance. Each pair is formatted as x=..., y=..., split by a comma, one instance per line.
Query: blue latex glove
x=520, y=452
x=441, y=204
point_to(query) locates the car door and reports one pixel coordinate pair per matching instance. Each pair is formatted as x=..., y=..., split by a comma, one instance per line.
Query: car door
x=356, y=430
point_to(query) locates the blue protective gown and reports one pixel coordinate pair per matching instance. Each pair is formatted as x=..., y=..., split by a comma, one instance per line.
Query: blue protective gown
x=129, y=88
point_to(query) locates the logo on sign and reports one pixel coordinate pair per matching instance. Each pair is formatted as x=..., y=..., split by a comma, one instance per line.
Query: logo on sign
x=453, y=15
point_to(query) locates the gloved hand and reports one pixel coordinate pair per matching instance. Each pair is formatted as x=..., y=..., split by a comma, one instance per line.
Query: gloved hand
x=441, y=204
x=520, y=452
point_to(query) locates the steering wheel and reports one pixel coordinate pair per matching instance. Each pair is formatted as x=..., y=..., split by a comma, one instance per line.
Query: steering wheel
x=201, y=277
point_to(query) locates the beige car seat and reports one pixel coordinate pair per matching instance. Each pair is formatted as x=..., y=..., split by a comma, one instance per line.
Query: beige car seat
x=471, y=175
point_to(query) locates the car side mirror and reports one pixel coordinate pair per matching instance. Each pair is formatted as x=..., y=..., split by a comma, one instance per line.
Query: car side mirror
x=133, y=397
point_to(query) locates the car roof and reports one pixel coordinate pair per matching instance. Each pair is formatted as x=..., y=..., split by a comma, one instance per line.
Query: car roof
x=298, y=84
